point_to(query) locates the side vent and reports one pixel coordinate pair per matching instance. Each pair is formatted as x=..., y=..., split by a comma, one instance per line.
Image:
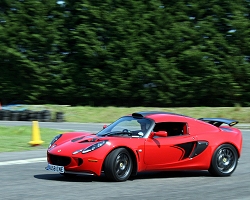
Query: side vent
x=200, y=147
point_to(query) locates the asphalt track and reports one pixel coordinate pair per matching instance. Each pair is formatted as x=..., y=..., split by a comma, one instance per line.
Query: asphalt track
x=22, y=176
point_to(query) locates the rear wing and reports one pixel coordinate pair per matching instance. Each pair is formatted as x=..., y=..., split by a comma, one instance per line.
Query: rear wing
x=219, y=121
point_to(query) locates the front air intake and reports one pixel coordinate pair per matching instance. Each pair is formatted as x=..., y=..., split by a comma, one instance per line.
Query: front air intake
x=59, y=160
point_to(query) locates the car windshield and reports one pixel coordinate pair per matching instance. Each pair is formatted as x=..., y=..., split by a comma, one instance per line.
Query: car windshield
x=127, y=126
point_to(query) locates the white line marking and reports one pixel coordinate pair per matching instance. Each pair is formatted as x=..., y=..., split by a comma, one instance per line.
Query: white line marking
x=26, y=161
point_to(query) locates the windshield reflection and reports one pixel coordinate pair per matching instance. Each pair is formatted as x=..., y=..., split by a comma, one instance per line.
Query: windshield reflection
x=127, y=126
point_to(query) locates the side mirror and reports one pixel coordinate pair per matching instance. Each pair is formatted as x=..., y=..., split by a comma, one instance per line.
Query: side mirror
x=104, y=126
x=159, y=134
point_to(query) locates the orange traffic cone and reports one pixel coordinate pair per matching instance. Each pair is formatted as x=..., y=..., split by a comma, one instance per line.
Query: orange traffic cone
x=35, y=139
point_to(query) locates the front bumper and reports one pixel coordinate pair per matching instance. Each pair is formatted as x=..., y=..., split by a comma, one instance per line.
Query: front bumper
x=77, y=165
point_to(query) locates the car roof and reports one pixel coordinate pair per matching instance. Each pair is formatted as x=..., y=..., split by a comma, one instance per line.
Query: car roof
x=149, y=113
x=159, y=116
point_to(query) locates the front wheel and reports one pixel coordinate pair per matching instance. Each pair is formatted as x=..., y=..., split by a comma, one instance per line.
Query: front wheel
x=118, y=165
x=224, y=161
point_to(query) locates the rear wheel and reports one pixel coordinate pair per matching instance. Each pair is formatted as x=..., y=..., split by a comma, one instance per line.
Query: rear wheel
x=224, y=161
x=118, y=165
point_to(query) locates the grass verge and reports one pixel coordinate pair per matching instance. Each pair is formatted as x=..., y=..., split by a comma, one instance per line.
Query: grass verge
x=109, y=114
x=17, y=138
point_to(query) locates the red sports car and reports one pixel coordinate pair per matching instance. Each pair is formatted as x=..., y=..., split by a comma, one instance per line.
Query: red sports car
x=149, y=141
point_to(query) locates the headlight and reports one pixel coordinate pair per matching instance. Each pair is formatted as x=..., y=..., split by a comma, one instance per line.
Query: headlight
x=91, y=148
x=55, y=139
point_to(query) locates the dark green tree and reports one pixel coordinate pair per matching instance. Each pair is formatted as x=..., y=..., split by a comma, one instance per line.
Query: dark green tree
x=125, y=53
x=30, y=55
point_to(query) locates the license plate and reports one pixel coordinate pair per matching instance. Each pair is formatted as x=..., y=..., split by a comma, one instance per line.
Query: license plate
x=55, y=168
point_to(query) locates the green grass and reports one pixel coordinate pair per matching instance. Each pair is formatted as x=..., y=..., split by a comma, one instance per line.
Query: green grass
x=109, y=114
x=17, y=138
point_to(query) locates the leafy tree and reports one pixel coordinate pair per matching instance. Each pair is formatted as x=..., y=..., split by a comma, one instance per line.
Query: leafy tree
x=30, y=52
x=125, y=53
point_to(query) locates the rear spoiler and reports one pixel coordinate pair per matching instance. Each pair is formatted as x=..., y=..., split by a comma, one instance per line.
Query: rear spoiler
x=218, y=121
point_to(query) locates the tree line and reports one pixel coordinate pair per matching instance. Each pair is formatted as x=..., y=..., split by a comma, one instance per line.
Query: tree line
x=163, y=53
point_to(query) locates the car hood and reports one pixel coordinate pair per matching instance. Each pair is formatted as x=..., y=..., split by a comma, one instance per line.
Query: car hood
x=87, y=139
x=75, y=143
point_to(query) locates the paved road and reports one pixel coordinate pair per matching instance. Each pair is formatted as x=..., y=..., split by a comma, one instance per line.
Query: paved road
x=27, y=179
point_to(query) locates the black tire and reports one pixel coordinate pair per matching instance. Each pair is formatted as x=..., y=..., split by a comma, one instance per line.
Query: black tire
x=118, y=165
x=6, y=118
x=59, y=117
x=6, y=113
x=1, y=115
x=31, y=116
x=46, y=116
x=15, y=116
x=23, y=116
x=224, y=161
x=39, y=116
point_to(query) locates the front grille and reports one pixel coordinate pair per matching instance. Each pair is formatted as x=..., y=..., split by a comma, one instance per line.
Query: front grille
x=59, y=160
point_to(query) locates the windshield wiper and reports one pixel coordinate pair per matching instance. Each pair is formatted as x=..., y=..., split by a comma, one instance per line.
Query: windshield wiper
x=116, y=133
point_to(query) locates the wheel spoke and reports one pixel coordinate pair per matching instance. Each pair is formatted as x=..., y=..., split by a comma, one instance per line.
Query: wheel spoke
x=122, y=165
x=226, y=160
x=118, y=165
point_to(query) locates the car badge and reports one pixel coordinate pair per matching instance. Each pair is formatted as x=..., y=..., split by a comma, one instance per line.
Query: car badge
x=59, y=150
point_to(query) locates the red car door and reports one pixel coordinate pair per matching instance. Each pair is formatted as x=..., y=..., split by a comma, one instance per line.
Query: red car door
x=161, y=151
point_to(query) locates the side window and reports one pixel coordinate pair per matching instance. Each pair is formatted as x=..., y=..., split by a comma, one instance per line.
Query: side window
x=172, y=128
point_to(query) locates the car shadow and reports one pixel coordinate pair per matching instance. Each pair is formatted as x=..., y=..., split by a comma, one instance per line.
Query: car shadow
x=78, y=178
x=171, y=174
x=139, y=176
